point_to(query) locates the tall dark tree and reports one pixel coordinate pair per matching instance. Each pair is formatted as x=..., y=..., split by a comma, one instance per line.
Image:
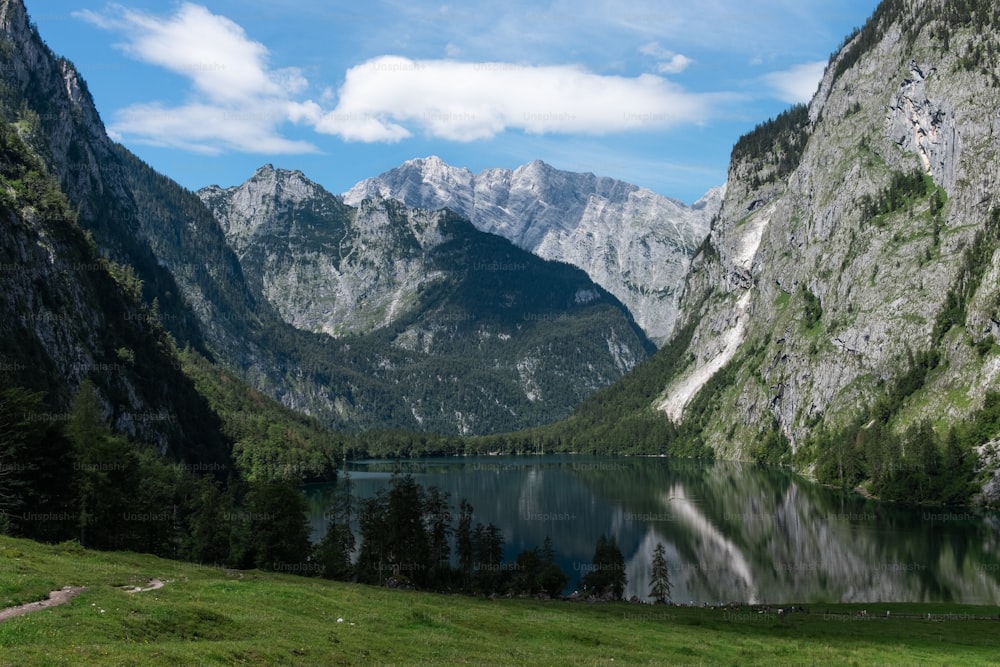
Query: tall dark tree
x=464, y=546
x=152, y=517
x=37, y=475
x=527, y=579
x=18, y=435
x=488, y=543
x=607, y=572
x=373, y=557
x=276, y=528
x=207, y=532
x=552, y=578
x=660, y=586
x=336, y=549
x=409, y=547
x=437, y=512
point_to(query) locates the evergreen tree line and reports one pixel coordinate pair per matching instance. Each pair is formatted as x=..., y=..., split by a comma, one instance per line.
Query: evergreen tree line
x=68, y=477
x=406, y=537
x=916, y=466
x=920, y=464
x=73, y=479
x=406, y=534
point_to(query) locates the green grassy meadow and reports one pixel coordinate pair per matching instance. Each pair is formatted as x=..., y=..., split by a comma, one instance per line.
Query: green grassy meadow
x=212, y=616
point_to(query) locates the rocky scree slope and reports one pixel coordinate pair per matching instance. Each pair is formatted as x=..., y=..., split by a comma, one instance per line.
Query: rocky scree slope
x=858, y=240
x=633, y=242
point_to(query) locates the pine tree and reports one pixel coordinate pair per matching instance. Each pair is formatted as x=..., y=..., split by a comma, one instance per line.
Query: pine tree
x=278, y=530
x=463, y=541
x=373, y=559
x=607, y=573
x=335, y=550
x=208, y=532
x=409, y=548
x=36, y=470
x=487, y=545
x=660, y=585
x=17, y=437
x=438, y=512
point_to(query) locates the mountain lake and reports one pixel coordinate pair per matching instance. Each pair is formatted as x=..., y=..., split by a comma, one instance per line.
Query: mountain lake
x=733, y=532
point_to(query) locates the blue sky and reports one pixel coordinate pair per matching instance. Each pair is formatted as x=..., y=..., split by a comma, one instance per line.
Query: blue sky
x=654, y=93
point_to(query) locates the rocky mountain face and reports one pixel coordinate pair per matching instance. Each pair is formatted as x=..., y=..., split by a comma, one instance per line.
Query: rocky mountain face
x=325, y=266
x=68, y=313
x=426, y=288
x=194, y=286
x=633, y=242
x=855, y=254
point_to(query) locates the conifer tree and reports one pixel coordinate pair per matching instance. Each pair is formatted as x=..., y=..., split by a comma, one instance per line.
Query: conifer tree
x=607, y=573
x=660, y=584
x=337, y=546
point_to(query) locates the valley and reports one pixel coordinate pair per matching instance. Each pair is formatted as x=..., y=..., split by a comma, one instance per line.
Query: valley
x=449, y=408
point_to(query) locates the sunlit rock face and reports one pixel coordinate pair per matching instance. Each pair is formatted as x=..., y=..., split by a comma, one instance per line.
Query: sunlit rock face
x=474, y=334
x=818, y=283
x=631, y=241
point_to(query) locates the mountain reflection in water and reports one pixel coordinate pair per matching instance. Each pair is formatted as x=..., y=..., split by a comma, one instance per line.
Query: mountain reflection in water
x=733, y=532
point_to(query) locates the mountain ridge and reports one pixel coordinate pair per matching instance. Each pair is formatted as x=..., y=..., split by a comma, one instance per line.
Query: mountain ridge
x=428, y=286
x=631, y=241
x=845, y=301
x=194, y=286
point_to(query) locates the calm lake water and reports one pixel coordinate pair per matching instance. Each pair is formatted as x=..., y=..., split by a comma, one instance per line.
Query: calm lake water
x=733, y=532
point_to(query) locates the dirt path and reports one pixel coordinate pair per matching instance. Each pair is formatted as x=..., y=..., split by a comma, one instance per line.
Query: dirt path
x=154, y=584
x=55, y=598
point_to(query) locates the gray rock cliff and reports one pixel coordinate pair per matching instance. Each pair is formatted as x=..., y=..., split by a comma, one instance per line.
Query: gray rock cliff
x=843, y=245
x=631, y=241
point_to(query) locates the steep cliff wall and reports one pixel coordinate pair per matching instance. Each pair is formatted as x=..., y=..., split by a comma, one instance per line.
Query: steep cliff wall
x=846, y=251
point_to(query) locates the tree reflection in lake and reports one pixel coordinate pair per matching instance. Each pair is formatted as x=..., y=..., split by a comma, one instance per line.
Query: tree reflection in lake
x=732, y=532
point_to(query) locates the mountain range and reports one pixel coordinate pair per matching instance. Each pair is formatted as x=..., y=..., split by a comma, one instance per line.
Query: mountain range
x=631, y=241
x=858, y=240
x=842, y=315
x=375, y=317
x=836, y=306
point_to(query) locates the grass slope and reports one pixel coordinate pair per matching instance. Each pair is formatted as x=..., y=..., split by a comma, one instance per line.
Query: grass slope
x=210, y=616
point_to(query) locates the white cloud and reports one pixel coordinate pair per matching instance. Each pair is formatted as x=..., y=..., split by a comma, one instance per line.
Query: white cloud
x=670, y=62
x=388, y=98
x=209, y=129
x=797, y=84
x=677, y=64
x=239, y=101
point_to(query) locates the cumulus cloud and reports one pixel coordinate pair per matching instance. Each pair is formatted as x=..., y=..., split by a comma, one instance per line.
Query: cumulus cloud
x=797, y=84
x=390, y=97
x=669, y=61
x=240, y=101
